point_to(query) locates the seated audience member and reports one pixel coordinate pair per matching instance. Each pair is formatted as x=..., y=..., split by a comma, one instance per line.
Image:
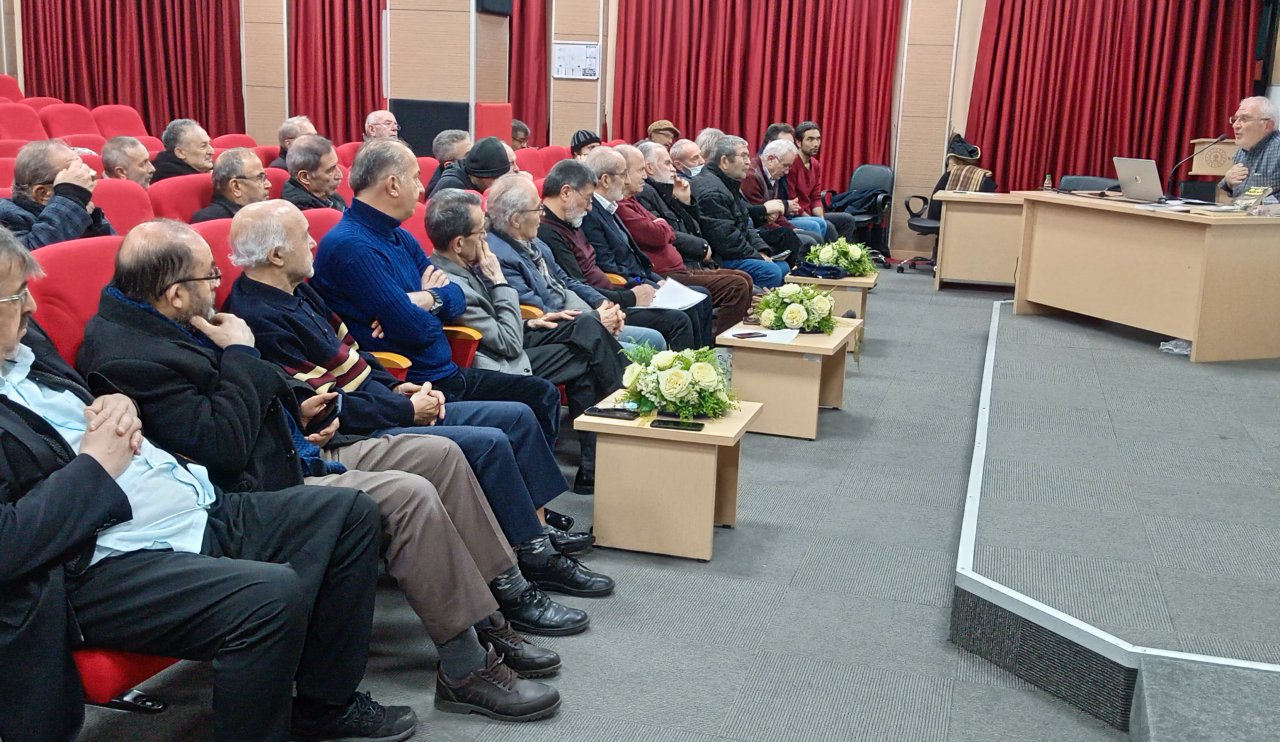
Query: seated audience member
x=724, y=216
x=519, y=134
x=126, y=158
x=706, y=141
x=564, y=347
x=687, y=158
x=667, y=195
x=805, y=182
x=295, y=330
x=374, y=275
x=767, y=181
x=381, y=125
x=730, y=290
x=663, y=132
x=314, y=175
x=203, y=391
x=238, y=180
x=487, y=161
x=448, y=147
x=292, y=128
x=582, y=142
x=276, y=588
x=1257, y=161
x=187, y=150
x=52, y=197
x=567, y=195
x=778, y=131
x=616, y=250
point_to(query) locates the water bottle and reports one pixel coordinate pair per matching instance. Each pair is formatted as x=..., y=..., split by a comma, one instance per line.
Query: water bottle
x=1048, y=181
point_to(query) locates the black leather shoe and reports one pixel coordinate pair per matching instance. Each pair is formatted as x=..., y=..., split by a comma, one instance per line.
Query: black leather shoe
x=584, y=483
x=526, y=659
x=570, y=543
x=564, y=574
x=363, y=719
x=497, y=692
x=558, y=520
x=535, y=613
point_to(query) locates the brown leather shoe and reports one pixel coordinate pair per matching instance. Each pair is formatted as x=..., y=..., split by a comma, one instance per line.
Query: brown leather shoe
x=497, y=692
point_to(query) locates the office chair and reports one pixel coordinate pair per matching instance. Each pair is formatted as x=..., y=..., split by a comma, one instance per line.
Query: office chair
x=872, y=218
x=1087, y=183
x=927, y=218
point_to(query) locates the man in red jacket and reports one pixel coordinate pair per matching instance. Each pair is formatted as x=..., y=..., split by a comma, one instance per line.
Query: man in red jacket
x=805, y=179
x=730, y=289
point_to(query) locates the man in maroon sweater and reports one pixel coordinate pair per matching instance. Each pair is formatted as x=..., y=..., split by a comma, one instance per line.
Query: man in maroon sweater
x=805, y=179
x=730, y=289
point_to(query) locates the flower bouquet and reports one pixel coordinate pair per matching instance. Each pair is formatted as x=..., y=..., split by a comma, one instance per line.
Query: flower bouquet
x=797, y=307
x=689, y=383
x=852, y=259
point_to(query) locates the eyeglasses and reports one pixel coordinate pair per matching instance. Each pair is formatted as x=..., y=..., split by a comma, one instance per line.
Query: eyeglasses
x=484, y=229
x=260, y=177
x=21, y=296
x=215, y=277
x=1246, y=120
x=389, y=124
x=542, y=209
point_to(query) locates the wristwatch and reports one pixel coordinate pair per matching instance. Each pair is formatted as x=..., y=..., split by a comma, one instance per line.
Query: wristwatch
x=436, y=301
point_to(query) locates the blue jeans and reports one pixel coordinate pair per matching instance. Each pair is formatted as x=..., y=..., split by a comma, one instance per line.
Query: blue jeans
x=815, y=224
x=763, y=273
x=509, y=456
x=635, y=335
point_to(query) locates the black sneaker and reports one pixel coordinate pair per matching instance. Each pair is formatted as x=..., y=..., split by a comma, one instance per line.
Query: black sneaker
x=363, y=719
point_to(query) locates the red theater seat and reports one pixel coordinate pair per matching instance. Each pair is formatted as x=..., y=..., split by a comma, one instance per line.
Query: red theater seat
x=106, y=674
x=86, y=141
x=6, y=170
x=320, y=221
x=218, y=234
x=124, y=202
x=278, y=178
x=530, y=161
x=180, y=197
x=75, y=273
x=153, y=144
x=94, y=162
x=552, y=154
x=61, y=119
x=493, y=120
x=227, y=141
x=416, y=225
x=9, y=88
x=344, y=188
x=10, y=147
x=347, y=153
x=19, y=121
x=115, y=121
x=267, y=153
x=40, y=101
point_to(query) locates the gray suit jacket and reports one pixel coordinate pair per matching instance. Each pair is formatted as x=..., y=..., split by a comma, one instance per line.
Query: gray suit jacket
x=495, y=312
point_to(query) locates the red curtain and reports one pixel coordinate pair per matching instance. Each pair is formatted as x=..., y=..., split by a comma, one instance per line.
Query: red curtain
x=168, y=60
x=1062, y=86
x=529, y=68
x=335, y=64
x=740, y=65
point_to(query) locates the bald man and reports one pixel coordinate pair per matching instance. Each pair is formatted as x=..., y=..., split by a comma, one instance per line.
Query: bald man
x=381, y=125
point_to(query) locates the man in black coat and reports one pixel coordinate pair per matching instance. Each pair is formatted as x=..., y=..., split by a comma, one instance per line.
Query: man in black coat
x=487, y=161
x=52, y=197
x=122, y=546
x=238, y=180
x=314, y=174
x=187, y=151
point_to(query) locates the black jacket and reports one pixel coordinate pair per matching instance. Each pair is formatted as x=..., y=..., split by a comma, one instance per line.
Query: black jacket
x=660, y=199
x=222, y=409
x=52, y=505
x=616, y=250
x=221, y=208
x=168, y=166
x=453, y=176
x=296, y=194
x=726, y=222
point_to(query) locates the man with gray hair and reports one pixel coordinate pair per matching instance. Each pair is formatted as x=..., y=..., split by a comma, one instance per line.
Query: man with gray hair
x=238, y=180
x=725, y=217
x=448, y=147
x=187, y=150
x=1257, y=162
x=767, y=182
x=381, y=124
x=292, y=128
x=52, y=197
x=314, y=174
x=706, y=141
x=126, y=158
x=687, y=157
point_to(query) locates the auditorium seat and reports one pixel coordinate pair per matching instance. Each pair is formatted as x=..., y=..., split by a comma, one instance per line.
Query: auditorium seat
x=115, y=121
x=6, y=170
x=217, y=233
x=124, y=202
x=347, y=152
x=10, y=147
x=537, y=183
x=181, y=196
x=227, y=141
x=6, y=192
x=267, y=153
x=9, y=88
x=75, y=273
x=320, y=221
x=278, y=178
x=344, y=188
x=530, y=161
x=416, y=225
x=85, y=141
x=427, y=166
x=552, y=154
x=94, y=162
x=61, y=119
x=18, y=121
x=153, y=144
x=40, y=101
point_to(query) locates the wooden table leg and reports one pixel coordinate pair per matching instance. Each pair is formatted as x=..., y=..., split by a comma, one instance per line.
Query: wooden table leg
x=787, y=383
x=831, y=392
x=727, y=484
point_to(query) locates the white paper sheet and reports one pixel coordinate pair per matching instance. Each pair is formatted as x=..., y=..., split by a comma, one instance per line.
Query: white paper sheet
x=672, y=295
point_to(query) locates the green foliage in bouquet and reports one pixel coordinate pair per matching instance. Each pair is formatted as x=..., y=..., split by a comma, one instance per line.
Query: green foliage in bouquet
x=794, y=306
x=688, y=383
x=852, y=258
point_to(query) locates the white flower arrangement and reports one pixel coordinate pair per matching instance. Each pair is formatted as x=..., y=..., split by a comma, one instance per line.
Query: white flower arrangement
x=688, y=383
x=796, y=307
x=853, y=259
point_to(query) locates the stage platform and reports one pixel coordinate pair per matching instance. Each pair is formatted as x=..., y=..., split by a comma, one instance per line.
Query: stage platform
x=1121, y=541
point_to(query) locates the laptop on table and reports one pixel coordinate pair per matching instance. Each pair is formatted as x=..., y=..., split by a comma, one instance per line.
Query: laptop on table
x=1139, y=180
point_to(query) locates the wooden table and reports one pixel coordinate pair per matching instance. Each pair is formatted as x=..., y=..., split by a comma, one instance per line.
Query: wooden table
x=792, y=379
x=980, y=238
x=1210, y=279
x=848, y=293
x=663, y=491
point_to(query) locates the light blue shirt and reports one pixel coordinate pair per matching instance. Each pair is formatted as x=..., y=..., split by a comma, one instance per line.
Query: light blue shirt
x=169, y=502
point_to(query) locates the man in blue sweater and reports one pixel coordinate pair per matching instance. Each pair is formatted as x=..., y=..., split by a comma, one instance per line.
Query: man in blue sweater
x=376, y=277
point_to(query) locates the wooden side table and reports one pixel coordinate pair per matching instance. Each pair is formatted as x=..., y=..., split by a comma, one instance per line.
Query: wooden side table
x=663, y=491
x=848, y=293
x=792, y=379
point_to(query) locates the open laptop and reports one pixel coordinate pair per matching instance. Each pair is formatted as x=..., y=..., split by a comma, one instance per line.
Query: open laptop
x=1139, y=180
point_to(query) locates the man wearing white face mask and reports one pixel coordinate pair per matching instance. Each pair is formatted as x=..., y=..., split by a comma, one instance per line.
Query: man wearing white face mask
x=687, y=158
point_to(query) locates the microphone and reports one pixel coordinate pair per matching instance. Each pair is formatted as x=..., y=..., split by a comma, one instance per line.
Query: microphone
x=1174, y=170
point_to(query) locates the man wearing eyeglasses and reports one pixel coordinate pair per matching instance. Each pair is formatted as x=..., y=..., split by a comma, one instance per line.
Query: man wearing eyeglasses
x=52, y=197
x=1257, y=162
x=238, y=180
x=381, y=125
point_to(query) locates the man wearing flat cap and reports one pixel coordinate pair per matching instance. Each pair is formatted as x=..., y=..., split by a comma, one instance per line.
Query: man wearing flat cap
x=488, y=160
x=663, y=132
x=583, y=141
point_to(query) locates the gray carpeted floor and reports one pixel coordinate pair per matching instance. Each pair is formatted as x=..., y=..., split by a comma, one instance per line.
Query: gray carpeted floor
x=823, y=616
